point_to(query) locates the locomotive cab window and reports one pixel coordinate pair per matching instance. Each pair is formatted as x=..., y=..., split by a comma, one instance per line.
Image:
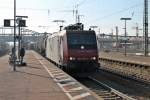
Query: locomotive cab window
x=81, y=38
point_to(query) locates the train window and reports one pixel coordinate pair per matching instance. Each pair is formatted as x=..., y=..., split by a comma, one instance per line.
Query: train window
x=75, y=40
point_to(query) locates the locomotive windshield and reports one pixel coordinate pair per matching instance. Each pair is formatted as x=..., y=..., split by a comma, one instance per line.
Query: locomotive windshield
x=76, y=39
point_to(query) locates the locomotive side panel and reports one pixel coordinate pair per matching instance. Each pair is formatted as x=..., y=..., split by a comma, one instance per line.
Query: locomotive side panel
x=48, y=48
x=65, y=49
x=53, y=49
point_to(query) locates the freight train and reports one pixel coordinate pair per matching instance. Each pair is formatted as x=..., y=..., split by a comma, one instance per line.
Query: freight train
x=73, y=50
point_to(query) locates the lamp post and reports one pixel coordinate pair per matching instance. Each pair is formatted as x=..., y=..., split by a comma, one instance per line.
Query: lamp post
x=21, y=24
x=145, y=27
x=14, y=57
x=125, y=19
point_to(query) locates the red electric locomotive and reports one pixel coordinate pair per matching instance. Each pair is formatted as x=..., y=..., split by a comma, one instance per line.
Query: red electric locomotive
x=74, y=50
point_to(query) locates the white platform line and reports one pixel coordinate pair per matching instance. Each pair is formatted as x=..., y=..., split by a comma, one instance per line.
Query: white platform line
x=63, y=76
x=70, y=83
x=58, y=74
x=61, y=86
x=67, y=93
x=67, y=79
x=81, y=96
x=45, y=67
x=56, y=71
x=76, y=89
x=53, y=70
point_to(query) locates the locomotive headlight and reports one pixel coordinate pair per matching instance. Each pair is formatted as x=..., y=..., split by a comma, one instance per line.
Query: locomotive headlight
x=72, y=58
x=93, y=58
x=82, y=47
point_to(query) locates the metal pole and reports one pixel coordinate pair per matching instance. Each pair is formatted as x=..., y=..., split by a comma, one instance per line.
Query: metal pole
x=2, y=34
x=21, y=40
x=76, y=12
x=137, y=35
x=125, y=39
x=19, y=44
x=137, y=31
x=99, y=31
x=14, y=57
x=117, y=44
x=125, y=19
x=146, y=26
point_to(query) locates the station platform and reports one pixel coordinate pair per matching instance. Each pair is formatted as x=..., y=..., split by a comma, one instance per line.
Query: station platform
x=39, y=80
x=131, y=66
x=128, y=58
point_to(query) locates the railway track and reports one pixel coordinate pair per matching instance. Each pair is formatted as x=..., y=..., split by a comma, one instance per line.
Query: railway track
x=104, y=91
x=139, y=72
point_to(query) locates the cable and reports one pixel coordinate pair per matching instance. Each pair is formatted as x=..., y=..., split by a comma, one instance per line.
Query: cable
x=115, y=13
x=26, y=9
x=81, y=2
x=33, y=9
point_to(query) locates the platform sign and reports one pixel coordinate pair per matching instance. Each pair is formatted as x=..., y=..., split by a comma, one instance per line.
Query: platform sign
x=22, y=23
x=6, y=23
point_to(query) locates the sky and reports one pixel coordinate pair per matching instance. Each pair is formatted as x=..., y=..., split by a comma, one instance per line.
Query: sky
x=105, y=14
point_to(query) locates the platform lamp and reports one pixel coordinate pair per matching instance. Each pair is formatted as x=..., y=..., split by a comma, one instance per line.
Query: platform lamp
x=125, y=34
x=20, y=23
x=7, y=23
x=14, y=68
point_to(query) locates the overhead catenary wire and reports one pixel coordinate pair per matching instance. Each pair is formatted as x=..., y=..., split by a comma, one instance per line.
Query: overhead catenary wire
x=116, y=13
x=25, y=9
x=81, y=2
